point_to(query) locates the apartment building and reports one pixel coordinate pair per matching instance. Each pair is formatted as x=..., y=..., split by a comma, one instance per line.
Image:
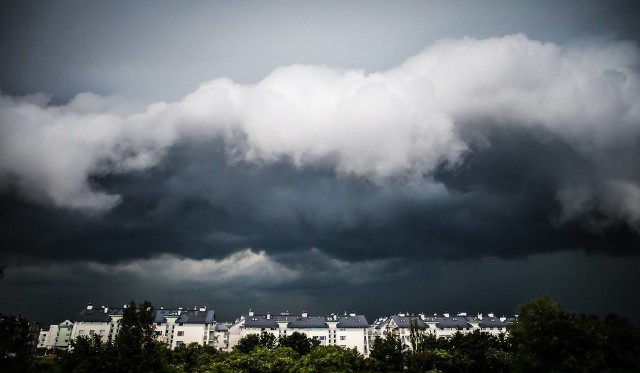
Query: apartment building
x=444, y=325
x=172, y=326
x=56, y=336
x=348, y=330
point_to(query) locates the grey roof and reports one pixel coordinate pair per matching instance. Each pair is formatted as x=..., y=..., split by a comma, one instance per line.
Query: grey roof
x=93, y=315
x=492, y=322
x=185, y=316
x=357, y=321
x=222, y=327
x=196, y=317
x=452, y=322
x=297, y=321
x=405, y=321
x=260, y=321
x=161, y=315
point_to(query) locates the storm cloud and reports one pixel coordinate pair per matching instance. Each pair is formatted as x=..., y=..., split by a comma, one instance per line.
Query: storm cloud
x=400, y=123
x=477, y=169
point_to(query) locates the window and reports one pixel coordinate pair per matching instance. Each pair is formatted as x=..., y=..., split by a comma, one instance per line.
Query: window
x=102, y=332
x=343, y=338
x=181, y=333
x=81, y=332
x=178, y=343
x=322, y=337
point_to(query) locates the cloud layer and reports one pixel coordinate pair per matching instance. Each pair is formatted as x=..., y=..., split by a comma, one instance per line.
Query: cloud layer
x=435, y=111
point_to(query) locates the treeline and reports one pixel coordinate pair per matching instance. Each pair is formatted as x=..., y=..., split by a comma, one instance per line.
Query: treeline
x=545, y=338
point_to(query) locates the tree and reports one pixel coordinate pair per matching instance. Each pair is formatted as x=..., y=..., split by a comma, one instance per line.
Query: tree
x=329, y=359
x=193, y=357
x=18, y=339
x=387, y=353
x=135, y=345
x=622, y=348
x=546, y=338
x=299, y=342
x=134, y=348
x=251, y=341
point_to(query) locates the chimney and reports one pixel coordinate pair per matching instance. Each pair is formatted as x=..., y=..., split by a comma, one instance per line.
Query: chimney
x=304, y=314
x=203, y=308
x=89, y=306
x=106, y=309
x=268, y=315
x=479, y=316
x=446, y=314
x=491, y=314
x=335, y=317
x=250, y=312
x=352, y=314
x=503, y=319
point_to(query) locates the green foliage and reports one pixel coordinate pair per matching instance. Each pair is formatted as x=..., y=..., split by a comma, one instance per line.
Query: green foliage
x=251, y=341
x=546, y=338
x=45, y=364
x=387, y=353
x=192, y=357
x=330, y=359
x=260, y=359
x=17, y=343
x=299, y=342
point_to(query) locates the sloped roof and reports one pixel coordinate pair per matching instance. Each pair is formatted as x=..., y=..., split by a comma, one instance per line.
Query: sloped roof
x=160, y=315
x=492, y=322
x=405, y=321
x=196, y=317
x=300, y=322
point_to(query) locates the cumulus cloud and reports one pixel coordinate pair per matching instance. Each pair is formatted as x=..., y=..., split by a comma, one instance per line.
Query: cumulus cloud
x=402, y=123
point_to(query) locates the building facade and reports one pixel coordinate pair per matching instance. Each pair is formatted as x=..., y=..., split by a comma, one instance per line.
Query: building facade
x=173, y=327
x=444, y=325
x=348, y=330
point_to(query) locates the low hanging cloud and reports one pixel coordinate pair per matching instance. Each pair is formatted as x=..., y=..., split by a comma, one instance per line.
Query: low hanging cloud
x=245, y=269
x=400, y=124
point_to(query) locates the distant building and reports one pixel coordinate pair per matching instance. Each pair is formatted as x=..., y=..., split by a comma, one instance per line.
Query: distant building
x=348, y=330
x=55, y=336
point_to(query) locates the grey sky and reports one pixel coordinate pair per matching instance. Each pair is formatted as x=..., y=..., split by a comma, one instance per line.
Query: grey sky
x=162, y=50
x=354, y=149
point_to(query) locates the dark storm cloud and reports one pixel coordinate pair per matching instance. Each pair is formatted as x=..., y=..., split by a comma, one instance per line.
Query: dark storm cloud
x=479, y=171
x=501, y=201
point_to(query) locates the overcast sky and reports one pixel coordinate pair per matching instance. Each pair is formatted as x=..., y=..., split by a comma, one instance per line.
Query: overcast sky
x=420, y=156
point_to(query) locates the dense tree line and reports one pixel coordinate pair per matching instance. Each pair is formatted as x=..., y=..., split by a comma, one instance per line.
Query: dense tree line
x=545, y=338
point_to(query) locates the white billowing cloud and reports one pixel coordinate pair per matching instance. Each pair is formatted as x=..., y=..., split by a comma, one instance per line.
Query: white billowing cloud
x=397, y=123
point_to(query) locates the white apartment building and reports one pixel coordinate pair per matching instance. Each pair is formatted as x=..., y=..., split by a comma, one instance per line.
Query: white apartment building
x=56, y=336
x=348, y=330
x=172, y=326
x=444, y=325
